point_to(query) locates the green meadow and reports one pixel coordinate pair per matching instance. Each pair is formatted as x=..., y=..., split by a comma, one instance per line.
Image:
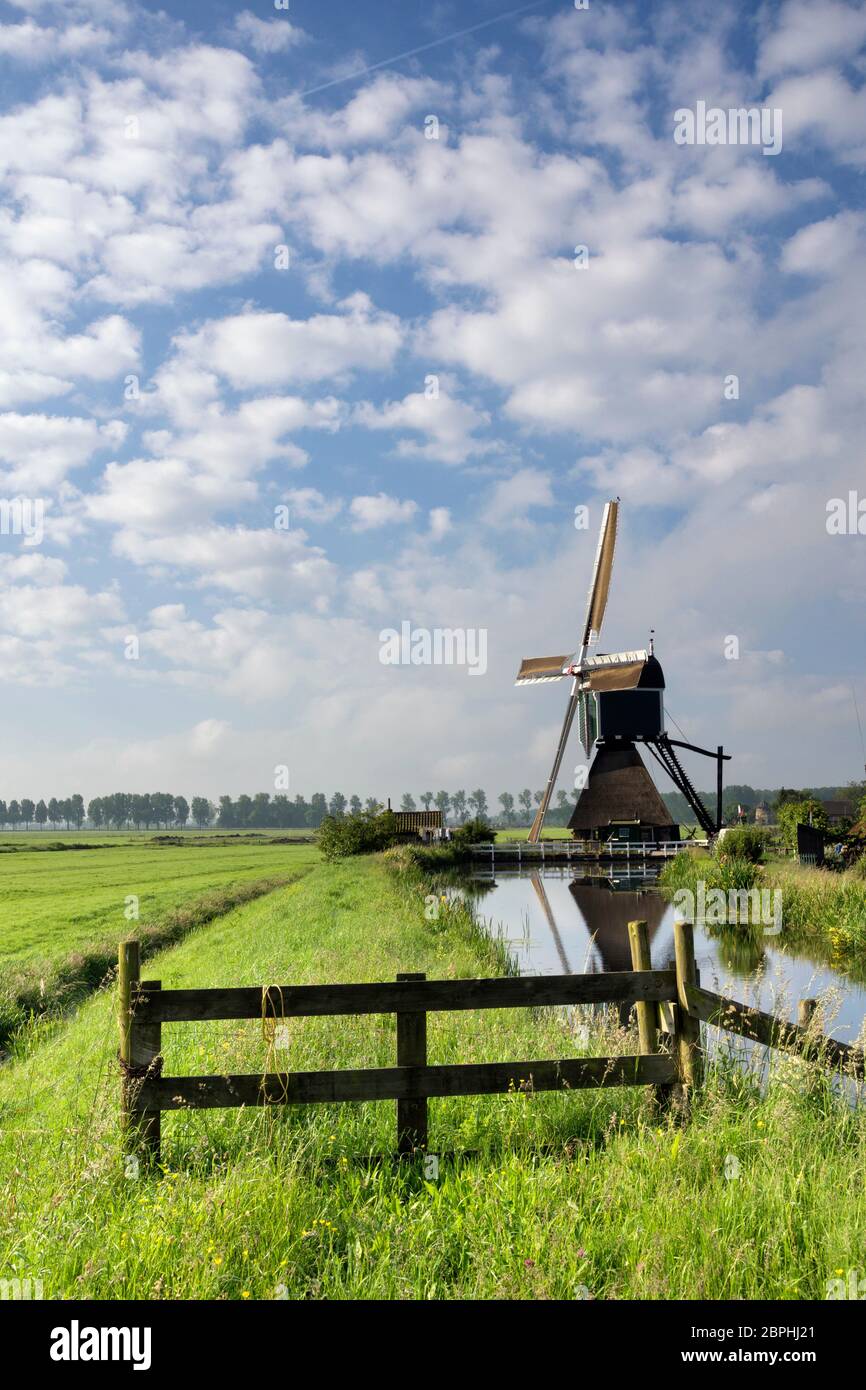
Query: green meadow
x=586, y=1195
x=52, y=902
x=66, y=902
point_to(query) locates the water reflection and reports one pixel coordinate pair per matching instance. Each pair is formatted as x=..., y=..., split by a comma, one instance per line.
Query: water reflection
x=556, y=923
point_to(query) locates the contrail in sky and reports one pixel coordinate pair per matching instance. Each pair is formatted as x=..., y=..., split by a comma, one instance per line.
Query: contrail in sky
x=410, y=53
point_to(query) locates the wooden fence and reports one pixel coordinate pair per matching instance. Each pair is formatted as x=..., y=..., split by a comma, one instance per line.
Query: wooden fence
x=670, y=1005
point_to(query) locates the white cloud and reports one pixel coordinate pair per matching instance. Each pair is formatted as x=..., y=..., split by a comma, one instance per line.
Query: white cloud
x=56, y=611
x=267, y=35
x=37, y=451
x=447, y=423
x=368, y=513
x=308, y=504
x=267, y=349
x=440, y=522
x=240, y=559
x=803, y=36
x=824, y=248
x=511, y=500
x=34, y=43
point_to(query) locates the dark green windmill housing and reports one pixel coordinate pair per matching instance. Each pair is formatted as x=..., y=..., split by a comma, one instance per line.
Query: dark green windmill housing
x=619, y=701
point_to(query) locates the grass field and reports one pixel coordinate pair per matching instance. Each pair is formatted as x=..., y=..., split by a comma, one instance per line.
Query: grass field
x=573, y=1195
x=55, y=903
x=63, y=912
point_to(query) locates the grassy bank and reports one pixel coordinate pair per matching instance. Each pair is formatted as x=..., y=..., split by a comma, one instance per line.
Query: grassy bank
x=573, y=1195
x=822, y=911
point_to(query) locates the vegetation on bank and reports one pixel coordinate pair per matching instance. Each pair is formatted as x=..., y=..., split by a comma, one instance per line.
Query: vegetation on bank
x=573, y=1195
x=821, y=907
x=369, y=831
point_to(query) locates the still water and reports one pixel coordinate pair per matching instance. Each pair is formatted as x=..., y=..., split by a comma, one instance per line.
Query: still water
x=558, y=923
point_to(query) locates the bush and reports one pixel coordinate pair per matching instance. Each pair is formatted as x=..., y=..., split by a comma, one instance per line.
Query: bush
x=745, y=842
x=473, y=832
x=363, y=833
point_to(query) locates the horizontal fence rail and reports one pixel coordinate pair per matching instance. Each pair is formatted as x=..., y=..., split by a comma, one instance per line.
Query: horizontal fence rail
x=772, y=1031
x=405, y=1083
x=670, y=1006
x=401, y=996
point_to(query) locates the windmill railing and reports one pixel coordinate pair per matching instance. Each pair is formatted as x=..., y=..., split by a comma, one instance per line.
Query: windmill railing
x=552, y=848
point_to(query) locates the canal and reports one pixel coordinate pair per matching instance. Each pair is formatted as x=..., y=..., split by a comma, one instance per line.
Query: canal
x=557, y=922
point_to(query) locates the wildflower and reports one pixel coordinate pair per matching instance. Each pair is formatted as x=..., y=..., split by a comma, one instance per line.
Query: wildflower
x=245, y=1293
x=530, y=1264
x=218, y=1259
x=581, y=1253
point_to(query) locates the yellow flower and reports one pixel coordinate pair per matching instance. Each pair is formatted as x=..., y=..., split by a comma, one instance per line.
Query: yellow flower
x=245, y=1294
x=218, y=1259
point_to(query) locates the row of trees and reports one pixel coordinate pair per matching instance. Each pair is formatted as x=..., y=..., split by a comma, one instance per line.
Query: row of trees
x=163, y=810
x=26, y=813
x=513, y=809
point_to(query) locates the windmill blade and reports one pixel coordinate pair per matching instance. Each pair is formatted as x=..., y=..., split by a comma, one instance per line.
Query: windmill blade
x=557, y=761
x=600, y=586
x=585, y=721
x=535, y=669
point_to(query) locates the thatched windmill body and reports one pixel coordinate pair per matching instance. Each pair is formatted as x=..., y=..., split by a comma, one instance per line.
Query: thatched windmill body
x=619, y=700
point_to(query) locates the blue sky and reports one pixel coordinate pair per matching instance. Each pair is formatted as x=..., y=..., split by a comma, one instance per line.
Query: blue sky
x=166, y=382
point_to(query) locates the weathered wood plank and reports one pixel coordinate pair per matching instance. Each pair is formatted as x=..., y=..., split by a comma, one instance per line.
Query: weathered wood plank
x=405, y=996
x=411, y=1052
x=404, y=1083
x=764, y=1028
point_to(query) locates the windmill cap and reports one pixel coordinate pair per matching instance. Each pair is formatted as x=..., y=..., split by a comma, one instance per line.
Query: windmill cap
x=652, y=676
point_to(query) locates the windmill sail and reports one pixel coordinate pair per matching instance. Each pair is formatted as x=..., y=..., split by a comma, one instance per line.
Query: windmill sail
x=601, y=574
x=557, y=762
x=587, y=721
x=538, y=669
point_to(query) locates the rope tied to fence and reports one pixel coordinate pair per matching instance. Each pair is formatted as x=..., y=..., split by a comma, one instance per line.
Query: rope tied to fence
x=269, y=1035
x=142, y=1072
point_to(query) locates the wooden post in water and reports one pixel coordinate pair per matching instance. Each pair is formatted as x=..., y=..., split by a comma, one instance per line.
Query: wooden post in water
x=411, y=1052
x=139, y=1051
x=688, y=1037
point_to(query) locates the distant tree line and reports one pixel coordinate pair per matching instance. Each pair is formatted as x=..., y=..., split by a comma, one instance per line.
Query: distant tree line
x=68, y=812
x=163, y=810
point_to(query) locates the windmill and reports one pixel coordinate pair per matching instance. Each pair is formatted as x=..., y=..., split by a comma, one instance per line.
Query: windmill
x=618, y=698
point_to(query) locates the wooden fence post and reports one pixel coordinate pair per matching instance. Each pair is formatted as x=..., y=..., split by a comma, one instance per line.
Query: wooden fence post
x=411, y=1052
x=139, y=1053
x=647, y=1014
x=638, y=939
x=688, y=1035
